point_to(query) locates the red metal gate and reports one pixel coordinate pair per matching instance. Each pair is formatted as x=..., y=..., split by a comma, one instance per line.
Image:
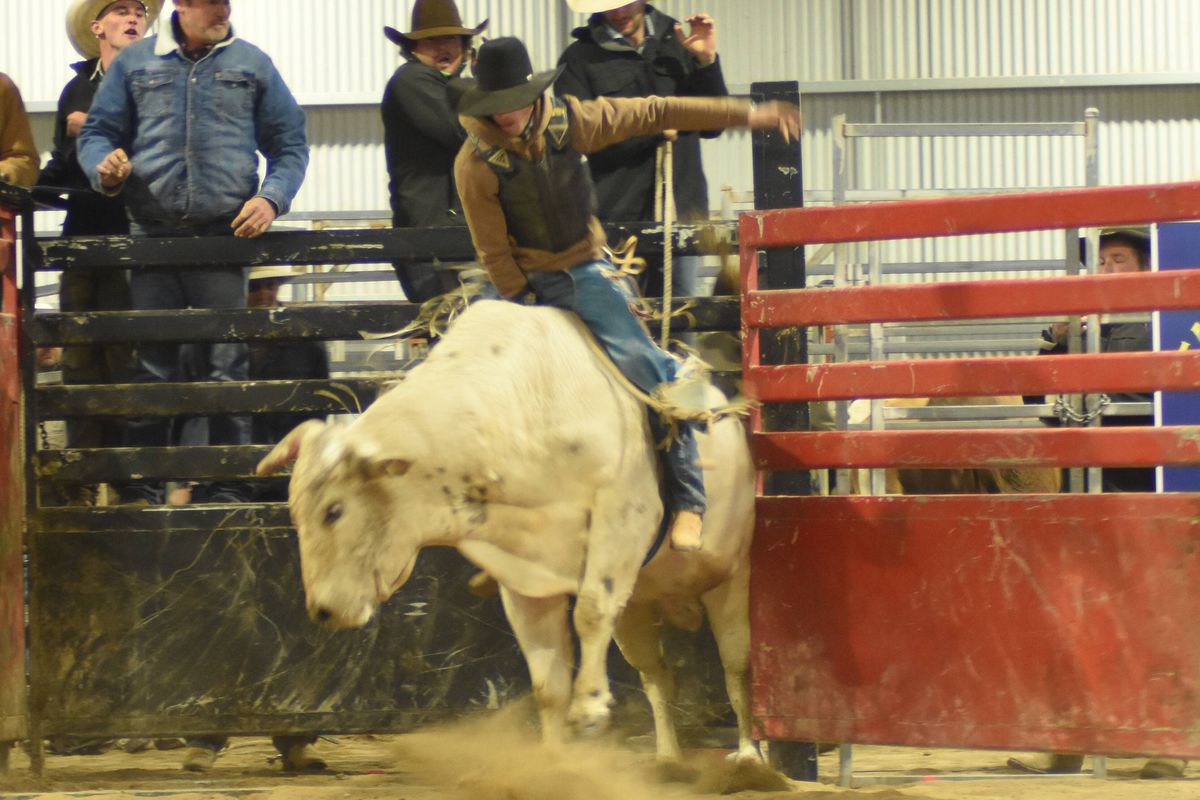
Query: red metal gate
x=1055, y=622
x=12, y=607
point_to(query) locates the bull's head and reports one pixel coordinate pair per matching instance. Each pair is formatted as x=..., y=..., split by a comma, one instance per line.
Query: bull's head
x=342, y=498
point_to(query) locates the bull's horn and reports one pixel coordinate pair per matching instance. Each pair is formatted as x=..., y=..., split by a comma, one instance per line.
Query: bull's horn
x=287, y=450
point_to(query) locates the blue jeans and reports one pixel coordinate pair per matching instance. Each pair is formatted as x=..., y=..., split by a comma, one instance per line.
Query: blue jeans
x=603, y=305
x=160, y=288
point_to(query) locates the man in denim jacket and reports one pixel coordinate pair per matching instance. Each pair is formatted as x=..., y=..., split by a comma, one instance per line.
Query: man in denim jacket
x=176, y=127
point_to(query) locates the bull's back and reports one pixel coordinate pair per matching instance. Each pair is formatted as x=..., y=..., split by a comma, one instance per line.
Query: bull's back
x=531, y=386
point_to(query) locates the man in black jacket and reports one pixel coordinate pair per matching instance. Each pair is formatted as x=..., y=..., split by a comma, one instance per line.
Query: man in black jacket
x=1121, y=250
x=634, y=50
x=422, y=135
x=98, y=29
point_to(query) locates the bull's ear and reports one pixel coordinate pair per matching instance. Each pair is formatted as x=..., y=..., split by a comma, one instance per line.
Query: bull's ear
x=386, y=467
x=287, y=450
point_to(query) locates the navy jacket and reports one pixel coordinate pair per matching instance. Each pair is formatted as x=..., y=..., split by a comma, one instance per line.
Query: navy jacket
x=597, y=65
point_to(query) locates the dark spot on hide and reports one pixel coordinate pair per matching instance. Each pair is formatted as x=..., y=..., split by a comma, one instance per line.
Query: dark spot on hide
x=497, y=349
x=474, y=501
x=574, y=448
x=608, y=584
x=587, y=519
x=446, y=491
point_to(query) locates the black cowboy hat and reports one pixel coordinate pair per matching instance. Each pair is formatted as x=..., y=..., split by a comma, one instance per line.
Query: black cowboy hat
x=432, y=18
x=504, y=80
x=1136, y=238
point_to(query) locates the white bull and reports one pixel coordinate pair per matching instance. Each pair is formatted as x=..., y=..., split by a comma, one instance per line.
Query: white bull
x=516, y=445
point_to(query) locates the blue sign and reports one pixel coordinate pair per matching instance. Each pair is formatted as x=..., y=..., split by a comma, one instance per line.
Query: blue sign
x=1178, y=248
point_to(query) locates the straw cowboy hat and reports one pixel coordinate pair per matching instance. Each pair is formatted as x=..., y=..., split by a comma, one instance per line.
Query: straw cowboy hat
x=504, y=80
x=594, y=6
x=81, y=15
x=432, y=18
x=271, y=274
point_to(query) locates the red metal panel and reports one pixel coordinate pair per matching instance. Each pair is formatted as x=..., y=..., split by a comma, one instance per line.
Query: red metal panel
x=12, y=607
x=1178, y=289
x=1063, y=622
x=957, y=216
x=975, y=377
x=949, y=449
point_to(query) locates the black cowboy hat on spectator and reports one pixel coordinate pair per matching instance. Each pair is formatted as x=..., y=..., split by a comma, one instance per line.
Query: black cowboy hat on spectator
x=432, y=18
x=504, y=80
x=1136, y=238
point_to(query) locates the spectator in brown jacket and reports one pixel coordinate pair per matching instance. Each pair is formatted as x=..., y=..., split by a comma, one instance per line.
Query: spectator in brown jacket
x=19, y=158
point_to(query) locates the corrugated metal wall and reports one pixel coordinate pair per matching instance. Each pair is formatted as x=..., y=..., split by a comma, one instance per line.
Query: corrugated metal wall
x=873, y=60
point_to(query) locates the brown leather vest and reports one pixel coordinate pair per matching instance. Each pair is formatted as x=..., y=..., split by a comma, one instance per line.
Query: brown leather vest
x=549, y=204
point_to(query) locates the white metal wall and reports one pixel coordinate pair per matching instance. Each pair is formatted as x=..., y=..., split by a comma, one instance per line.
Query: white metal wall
x=874, y=60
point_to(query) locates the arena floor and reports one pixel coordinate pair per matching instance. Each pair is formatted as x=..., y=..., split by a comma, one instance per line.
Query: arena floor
x=495, y=759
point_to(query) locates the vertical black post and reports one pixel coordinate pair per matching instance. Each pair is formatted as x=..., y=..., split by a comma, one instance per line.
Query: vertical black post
x=779, y=183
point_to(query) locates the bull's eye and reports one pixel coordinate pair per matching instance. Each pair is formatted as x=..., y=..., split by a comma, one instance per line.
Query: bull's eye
x=333, y=513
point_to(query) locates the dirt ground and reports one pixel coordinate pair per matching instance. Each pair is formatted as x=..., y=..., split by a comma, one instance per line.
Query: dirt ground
x=496, y=758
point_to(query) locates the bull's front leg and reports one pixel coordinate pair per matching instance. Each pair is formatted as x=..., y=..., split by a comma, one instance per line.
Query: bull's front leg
x=592, y=701
x=621, y=529
x=545, y=638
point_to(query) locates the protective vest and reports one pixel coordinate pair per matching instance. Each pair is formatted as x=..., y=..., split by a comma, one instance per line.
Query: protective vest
x=549, y=204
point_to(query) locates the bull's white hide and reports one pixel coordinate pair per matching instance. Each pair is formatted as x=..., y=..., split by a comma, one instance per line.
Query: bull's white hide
x=515, y=444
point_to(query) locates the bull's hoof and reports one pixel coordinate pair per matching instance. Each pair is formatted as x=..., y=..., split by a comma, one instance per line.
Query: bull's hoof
x=590, y=717
x=745, y=755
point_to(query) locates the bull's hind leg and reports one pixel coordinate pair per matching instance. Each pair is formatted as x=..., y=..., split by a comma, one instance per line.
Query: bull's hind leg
x=637, y=634
x=728, y=607
x=545, y=638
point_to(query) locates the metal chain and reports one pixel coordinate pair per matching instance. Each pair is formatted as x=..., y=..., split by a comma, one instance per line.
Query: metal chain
x=1064, y=412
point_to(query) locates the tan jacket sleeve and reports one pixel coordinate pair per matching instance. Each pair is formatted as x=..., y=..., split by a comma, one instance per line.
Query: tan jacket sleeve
x=479, y=190
x=598, y=123
x=19, y=158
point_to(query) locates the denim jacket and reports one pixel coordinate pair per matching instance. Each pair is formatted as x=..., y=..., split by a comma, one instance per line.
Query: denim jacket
x=191, y=130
